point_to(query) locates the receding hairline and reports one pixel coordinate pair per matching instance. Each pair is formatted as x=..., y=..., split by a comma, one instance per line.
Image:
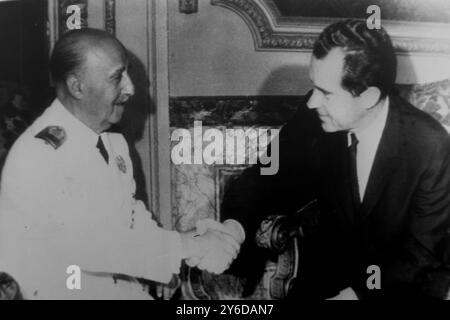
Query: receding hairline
x=88, y=33
x=80, y=43
x=87, y=39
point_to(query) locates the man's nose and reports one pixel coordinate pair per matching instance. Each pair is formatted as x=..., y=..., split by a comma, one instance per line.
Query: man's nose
x=128, y=87
x=315, y=100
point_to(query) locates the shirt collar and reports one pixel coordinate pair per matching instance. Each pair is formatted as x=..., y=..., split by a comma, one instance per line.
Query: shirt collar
x=375, y=128
x=70, y=123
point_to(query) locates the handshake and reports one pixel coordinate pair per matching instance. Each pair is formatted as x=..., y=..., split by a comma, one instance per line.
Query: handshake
x=213, y=246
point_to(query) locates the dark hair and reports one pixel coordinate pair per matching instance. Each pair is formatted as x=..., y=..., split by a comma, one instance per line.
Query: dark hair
x=69, y=52
x=370, y=59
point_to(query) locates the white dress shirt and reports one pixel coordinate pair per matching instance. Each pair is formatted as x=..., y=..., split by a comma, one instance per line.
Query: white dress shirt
x=369, y=139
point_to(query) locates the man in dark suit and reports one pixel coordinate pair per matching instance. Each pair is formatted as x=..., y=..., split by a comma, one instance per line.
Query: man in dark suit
x=379, y=168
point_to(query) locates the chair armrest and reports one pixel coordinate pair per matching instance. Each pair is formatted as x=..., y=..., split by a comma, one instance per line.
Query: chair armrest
x=276, y=231
x=280, y=234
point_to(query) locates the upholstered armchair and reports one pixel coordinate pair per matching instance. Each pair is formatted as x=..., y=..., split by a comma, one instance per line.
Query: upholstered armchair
x=433, y=98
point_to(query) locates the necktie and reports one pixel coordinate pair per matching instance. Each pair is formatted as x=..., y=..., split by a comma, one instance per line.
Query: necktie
x=102, y=149
x=353, y=172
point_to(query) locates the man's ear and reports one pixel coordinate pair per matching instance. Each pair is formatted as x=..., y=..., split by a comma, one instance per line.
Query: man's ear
x=74, y=86
x=370, y=97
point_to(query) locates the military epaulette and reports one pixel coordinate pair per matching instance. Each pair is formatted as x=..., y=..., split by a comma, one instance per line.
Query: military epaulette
x=53, y=135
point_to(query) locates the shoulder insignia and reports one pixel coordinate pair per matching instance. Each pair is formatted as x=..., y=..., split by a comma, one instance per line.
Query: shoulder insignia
x=53, y=135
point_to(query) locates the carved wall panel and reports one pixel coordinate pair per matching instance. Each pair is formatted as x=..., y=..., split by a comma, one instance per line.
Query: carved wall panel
x=274, y=28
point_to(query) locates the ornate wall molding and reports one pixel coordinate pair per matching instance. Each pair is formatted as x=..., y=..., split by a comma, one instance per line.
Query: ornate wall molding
x=272, y=31
x=110, y=16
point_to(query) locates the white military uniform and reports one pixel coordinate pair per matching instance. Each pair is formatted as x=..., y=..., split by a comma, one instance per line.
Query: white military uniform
x=64, y=205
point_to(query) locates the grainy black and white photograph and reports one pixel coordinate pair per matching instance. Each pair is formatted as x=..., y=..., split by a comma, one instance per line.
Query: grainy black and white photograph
x=252, y=151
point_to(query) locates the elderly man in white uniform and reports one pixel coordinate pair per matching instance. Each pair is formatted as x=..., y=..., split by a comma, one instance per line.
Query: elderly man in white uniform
x=67, y=191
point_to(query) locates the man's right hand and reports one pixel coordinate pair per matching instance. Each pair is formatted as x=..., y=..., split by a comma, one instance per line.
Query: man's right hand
x=212, y=249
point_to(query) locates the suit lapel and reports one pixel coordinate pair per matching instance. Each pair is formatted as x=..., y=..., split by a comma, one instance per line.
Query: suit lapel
x=385, y=162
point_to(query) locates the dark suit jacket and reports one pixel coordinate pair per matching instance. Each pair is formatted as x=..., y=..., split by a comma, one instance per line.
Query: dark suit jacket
x=403, y=225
